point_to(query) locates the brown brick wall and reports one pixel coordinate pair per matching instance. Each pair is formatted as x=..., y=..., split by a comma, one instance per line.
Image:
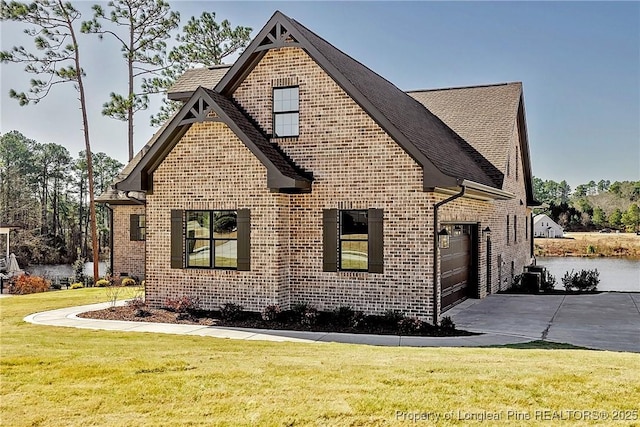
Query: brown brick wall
x=128, y=256
x=356, y=165
x=210, y=168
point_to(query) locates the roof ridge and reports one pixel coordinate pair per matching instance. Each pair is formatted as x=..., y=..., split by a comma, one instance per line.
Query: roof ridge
x=464, y=87
x=216, y=66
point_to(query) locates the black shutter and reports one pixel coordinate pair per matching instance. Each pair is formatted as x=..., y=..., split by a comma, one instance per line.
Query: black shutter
x=244, y=240
x=133, y=227
x=330, y=240
x=376, y=241
x=177, y=241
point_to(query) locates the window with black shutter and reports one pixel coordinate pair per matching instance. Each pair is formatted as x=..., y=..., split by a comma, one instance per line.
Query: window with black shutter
x=137, y=227
x=353, y=240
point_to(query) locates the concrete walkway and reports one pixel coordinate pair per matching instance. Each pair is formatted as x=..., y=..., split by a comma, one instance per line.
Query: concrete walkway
x=68, y=317
x=606, y=321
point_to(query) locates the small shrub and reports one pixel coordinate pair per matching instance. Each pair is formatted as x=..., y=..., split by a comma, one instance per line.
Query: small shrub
x=102, y=283
x=392, y=318
x=231, y=311
x=591, y=249
x=582, y=281
x=346, y=317
x=24, y=284
x=76, y=285
x=446, y=324
x=184, y=304
x=342, y=315
x=409, y=325
x=304, y=313
x=309, y=317
x=271, y=313
x=128, y=281
x=357, y=319
x=548, y=283
x=78, y=271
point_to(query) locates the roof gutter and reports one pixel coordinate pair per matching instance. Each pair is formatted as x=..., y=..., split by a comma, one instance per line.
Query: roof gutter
x=436, y=247
x=478, y=191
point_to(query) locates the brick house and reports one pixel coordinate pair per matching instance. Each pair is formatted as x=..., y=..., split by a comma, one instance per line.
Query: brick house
x=300, y=175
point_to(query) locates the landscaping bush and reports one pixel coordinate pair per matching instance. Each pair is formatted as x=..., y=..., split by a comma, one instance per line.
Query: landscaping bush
x=548, y=283
x=78, y=271
x=76, y=285
x=392, y=318
x=409, y=325
x=102, y=283
x=299, y=311
x=24, y=284
x=128, y=281
x=582, y=281
x=309, y=317
x=184, y=304
x=446, y=324
x=271, y=313
x=231, y=311
x=346, y=317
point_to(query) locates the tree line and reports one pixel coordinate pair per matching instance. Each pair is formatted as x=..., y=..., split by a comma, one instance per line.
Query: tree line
x=141, y=28
x=591, y=206
x=44, y=191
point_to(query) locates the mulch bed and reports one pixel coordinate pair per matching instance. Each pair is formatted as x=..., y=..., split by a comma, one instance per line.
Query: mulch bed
x=253, y=321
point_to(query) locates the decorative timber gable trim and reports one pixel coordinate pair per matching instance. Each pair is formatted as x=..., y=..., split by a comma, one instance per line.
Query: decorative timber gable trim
x=206, y=105
x=278, y=36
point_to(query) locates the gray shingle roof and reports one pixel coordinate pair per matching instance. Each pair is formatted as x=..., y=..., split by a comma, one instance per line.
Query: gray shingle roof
x=447, y=151
x=484, y=116
x=250, y=129
x=188, y=82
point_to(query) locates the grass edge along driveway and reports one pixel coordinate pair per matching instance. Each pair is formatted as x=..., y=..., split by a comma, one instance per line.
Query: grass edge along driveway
x=71, y=377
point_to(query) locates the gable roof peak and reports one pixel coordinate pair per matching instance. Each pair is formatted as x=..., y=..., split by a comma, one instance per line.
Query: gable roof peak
x=445, y=157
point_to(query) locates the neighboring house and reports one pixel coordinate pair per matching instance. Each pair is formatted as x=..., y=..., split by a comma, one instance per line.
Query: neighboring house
x=304, y=176
x=543, y=226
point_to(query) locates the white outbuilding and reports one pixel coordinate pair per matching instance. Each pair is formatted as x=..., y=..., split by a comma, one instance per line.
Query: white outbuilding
x=543, y=226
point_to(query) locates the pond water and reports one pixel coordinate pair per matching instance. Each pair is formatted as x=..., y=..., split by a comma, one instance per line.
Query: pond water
x=64, y=270
x=616, y=274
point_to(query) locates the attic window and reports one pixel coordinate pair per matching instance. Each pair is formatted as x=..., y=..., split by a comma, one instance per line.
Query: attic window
x=286, y=111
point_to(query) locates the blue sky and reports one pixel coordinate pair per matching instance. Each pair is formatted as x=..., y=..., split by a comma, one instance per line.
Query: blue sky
x=579, y=63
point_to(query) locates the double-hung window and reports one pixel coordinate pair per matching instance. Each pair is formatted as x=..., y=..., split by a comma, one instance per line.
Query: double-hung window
x=138, y=227
x=353, y=240
x=212, y=239
x=286, y=111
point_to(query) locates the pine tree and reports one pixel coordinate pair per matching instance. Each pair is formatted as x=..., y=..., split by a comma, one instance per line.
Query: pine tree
x=141, y=27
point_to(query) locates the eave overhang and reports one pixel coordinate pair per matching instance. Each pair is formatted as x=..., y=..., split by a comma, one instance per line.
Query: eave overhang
x=281, y=177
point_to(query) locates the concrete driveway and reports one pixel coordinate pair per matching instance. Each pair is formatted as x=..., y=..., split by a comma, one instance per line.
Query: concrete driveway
x=606, y=321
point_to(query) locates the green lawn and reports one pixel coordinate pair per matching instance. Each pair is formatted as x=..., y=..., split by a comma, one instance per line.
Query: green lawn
x=70, y=377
